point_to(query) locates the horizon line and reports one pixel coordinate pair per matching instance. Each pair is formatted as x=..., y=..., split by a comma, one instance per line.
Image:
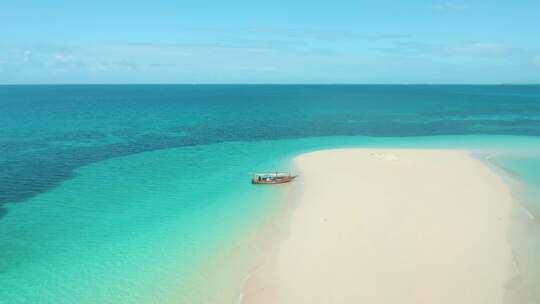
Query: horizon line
x=263, y=84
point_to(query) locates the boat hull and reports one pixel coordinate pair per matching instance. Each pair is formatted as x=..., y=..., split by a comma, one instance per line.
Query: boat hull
x=282, y=180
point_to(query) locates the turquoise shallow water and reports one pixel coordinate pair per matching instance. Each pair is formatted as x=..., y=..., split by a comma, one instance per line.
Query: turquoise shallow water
x=141, y=194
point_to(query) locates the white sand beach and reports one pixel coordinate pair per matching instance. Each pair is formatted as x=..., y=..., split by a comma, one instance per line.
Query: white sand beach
x=392, y=226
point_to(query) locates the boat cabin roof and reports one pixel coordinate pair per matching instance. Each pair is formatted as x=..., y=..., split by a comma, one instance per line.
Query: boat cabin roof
x=274, y=174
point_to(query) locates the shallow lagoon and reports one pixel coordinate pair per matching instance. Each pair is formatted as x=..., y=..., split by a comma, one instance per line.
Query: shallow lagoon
x=151, y=226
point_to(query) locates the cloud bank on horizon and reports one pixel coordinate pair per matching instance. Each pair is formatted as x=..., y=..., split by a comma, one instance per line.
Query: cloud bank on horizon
x=420, y=41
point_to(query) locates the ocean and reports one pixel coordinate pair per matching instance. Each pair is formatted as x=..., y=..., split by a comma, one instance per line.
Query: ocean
x=141, y=193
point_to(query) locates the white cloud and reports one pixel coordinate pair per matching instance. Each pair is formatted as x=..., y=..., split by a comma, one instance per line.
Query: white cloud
x=60, y=57
x=536, y=60
x=299, y=34
x=488, y=49
x=27, y=55
x=397, y=61
x=470, y=49
x=451, y=7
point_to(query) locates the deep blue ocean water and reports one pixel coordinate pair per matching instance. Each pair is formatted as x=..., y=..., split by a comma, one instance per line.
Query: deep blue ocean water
x=129, y=194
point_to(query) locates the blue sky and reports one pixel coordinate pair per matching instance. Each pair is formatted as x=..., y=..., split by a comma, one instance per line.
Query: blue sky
x=415, y=41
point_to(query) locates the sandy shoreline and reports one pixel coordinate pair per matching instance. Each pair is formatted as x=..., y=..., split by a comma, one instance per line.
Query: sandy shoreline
x=393, y=226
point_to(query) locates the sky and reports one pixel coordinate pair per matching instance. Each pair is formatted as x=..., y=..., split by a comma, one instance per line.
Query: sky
x=300, y=41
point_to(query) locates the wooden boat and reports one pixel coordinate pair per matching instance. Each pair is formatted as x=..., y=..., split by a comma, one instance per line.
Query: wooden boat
x=272, y=178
